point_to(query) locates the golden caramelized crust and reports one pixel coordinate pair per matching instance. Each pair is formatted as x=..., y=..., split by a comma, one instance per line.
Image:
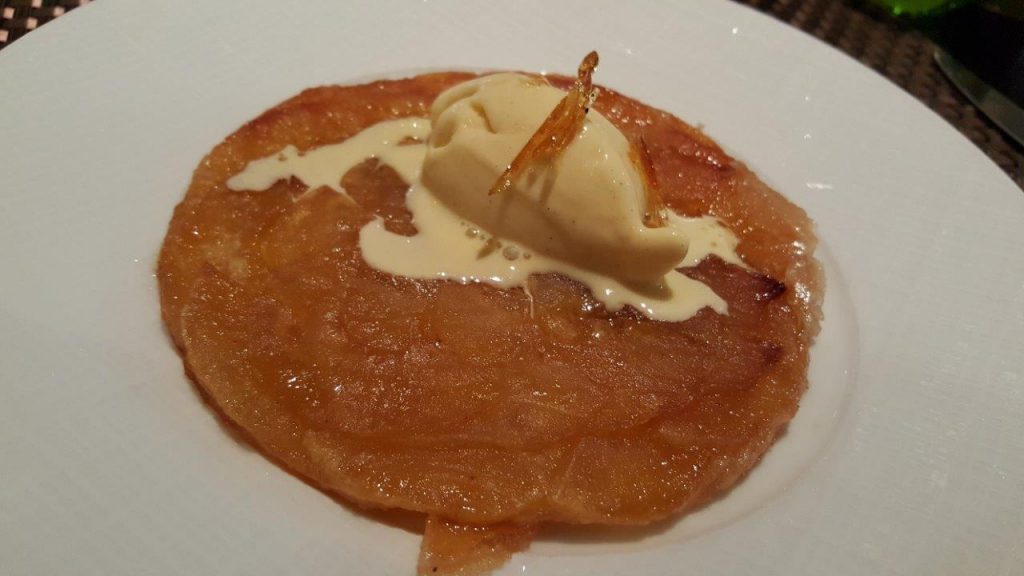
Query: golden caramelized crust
x=453, y=399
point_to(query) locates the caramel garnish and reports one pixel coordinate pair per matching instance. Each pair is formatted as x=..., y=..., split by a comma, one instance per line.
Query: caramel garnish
x=558, y=129
x=654, y=210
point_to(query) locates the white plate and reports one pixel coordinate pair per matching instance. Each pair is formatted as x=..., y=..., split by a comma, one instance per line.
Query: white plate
x=110, y=464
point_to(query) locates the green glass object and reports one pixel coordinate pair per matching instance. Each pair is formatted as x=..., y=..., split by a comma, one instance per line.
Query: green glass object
x=916, y=7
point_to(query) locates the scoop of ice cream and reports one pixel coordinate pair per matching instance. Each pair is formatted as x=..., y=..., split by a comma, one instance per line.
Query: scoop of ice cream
x=586, y=208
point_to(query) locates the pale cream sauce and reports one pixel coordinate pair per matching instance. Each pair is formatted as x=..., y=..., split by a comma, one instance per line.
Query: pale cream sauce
x=447, y=247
